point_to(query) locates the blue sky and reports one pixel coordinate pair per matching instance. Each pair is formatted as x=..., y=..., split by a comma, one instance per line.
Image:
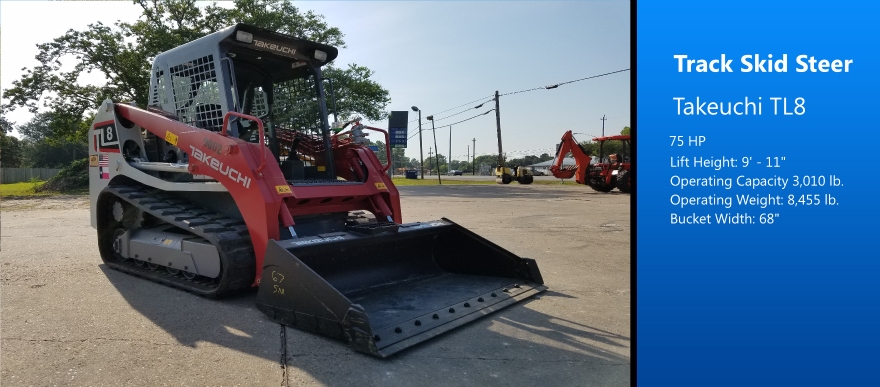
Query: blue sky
x=437, y=55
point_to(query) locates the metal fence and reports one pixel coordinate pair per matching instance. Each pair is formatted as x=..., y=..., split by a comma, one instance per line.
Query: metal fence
x=18, y=175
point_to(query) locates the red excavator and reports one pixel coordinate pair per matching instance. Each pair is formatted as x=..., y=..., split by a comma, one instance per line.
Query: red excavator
x=609, y=172
x=232, y=178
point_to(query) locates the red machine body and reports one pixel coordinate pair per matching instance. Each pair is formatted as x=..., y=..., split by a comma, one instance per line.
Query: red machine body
x=260, y=191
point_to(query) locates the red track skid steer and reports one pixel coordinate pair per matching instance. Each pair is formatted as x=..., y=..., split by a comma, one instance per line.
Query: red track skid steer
x=232, y=178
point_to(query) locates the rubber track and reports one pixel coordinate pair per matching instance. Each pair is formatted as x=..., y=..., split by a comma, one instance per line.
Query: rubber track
x=230, y=236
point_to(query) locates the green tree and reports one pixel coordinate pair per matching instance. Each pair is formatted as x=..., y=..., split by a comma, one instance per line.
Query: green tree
x=485, y=161
x=589, y=147
x=45, y=154
x=431, y=163
x=608, y=148
x=460, y=165
x=52, y=126
x=626, y=131
x=11, y=151
x=356, y=94
x=6, y=126
x=40, y=148
x=399, y=158
x=123, y=52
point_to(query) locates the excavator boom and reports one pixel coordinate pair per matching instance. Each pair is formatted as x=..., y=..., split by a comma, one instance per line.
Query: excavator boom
x=582, y=160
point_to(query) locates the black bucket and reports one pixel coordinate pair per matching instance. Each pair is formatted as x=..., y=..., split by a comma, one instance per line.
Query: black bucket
x=386, y=287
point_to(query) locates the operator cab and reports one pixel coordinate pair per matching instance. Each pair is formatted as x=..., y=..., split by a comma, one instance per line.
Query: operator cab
x=258, y=72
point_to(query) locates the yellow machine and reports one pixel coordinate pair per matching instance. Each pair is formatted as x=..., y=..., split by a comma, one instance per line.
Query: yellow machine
x=505, y=175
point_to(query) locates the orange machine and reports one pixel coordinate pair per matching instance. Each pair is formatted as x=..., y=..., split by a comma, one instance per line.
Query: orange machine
x=611, y=171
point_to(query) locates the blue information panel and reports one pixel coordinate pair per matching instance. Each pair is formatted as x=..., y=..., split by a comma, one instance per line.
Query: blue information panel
x=398, y=137
x=756, y=244
x=397, y=125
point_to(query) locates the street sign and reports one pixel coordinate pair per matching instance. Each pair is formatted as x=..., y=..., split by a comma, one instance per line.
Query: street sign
x=397, y=128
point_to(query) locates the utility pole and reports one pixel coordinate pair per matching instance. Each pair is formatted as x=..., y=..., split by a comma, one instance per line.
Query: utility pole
x=449, y=157
x=468, y=154
x=498, y=124
x=473, y=158
x=603, y=125
x=436, y=155
x=421, y=148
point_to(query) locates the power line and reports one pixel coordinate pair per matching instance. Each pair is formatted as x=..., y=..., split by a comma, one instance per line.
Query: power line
x=491, y=96
x=595, y=76
x=464, y=111
x=455, y=114
x=529, y=152
x=523, y=91
x=466, y=119
x=467, y=103
x=521, y=152
x=477, y=100
x=565, y=83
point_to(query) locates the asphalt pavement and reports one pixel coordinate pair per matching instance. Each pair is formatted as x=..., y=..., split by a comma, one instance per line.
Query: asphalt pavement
x=69, y=320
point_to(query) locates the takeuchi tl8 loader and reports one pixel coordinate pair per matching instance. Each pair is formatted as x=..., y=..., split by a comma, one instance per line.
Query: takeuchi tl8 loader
x=611, y=171
x=232, y=178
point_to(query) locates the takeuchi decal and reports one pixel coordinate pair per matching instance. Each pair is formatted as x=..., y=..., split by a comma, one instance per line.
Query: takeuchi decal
x=275, y=47
x=218, y=166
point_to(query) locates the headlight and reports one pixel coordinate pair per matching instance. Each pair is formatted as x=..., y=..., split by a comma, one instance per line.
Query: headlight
x=245, y=37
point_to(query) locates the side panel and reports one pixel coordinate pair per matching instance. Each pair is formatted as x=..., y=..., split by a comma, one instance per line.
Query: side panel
x=234, y=164
x=106, y=162
x=104, y=151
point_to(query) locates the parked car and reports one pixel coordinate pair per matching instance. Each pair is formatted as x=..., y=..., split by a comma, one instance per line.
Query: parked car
x=454, y=172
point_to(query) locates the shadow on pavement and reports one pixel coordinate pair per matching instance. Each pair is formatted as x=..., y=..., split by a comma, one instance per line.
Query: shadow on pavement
x=550, y=293
x=487, y=191
x=515, y=346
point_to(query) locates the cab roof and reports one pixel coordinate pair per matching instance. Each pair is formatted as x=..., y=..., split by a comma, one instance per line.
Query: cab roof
x=273, y=44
